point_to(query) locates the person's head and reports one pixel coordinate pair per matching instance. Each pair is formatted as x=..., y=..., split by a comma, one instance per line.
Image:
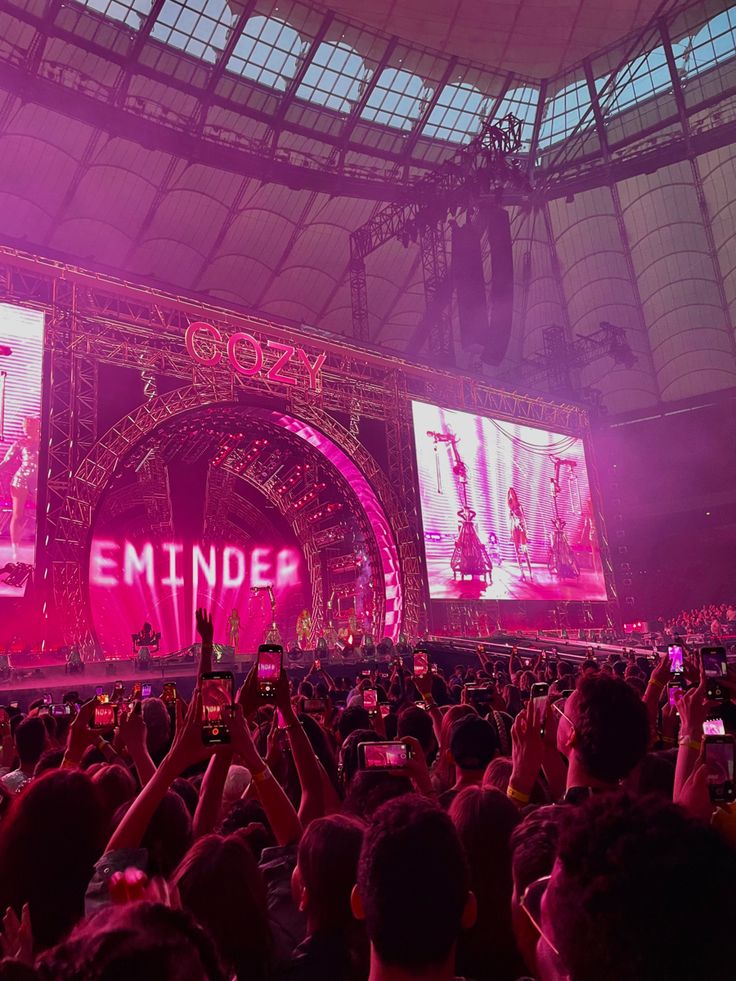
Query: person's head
x=412, y=887
x=484, y=821
x=219, y=882
x=50, y=759
x=326, y=870
x=414, y=721
x=158, y=723
x=49, y=842
x=354, y=717
x=498, y=777
x=31, y=739
x=604, y=730
x=626, y=868
x=533, y=847
x=144, y=941
x=453, y=714
x=473, y=744
x=32, y=427
x=369, y=790
x=349, y=756
x=115, y=786
x=168, y=835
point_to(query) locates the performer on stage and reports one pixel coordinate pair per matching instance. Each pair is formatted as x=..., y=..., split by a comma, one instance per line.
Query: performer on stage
x=233, y=624
x=304, y=629
x=24, y=454
x=517, y=527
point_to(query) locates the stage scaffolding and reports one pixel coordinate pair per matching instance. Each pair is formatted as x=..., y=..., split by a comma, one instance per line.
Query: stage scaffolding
x=94, y=319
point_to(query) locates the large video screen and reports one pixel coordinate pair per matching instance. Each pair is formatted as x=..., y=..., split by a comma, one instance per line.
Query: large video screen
x=506, y=510
x=21, y=363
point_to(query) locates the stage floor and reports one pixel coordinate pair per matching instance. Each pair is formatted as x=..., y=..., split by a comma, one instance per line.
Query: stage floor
x=507, y=583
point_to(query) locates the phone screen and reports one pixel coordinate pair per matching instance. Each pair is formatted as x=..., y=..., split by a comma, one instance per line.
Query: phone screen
x=217, y=693
x=317, y=664
x=268, y=670
x=421, y=664
x=105, y=716
x=719, y=762
x=146, y=691
x=370, y=698
x=384, y=756
x=674, y=690
x=384, y=709
x=60, y=709
x=676, y=659
x=714, y=727
x=169, y=692
x=714, y=662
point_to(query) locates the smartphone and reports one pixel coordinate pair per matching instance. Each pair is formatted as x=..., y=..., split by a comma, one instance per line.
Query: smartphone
x=719, y=761
x=677, y=665
x=14, y=706
x=280, y=720
x=433, y=668
x=673, y=687
x=478, y=695
x=101, y=695
x=540, y=689
x=146, y=690
x=383, y=756
x=64, y=709
x=117, y=691
x=136, y=690
x=384, y=709
x=168, y=694
x=370, y=700
x=715, y=667
x=365, y=674
x=714, y=727
x=268, y=670
x=217, y=694
x=317, y=664
x=47, y=698
x=421, y=663
x=314, y=706
x=566, y=693
x=105, y=716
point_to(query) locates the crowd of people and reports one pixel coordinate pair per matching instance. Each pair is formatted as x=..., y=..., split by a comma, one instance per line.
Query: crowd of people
x=715, y=620
x=543, y=819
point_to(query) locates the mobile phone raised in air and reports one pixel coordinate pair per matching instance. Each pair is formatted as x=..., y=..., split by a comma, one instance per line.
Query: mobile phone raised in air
x=540, y=689
x=383, y=756
x=47, y=698
x=217, y=694
x=146, y=691
x=317, y=664
x=384, y=708
x=168, y=694
x=714, y=727
x=63, y=709
x=715, y=667
x=421, y=663
x=314, y=706
x=105, y=716
x=268, y=669
x=674, y=691
x=370, y=700
x=720, y=754
x=677, y=658
x=136, y=690
x=478, y=695
x=117, y=692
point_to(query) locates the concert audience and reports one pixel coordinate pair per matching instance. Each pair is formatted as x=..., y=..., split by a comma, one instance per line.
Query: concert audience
x=143, y=852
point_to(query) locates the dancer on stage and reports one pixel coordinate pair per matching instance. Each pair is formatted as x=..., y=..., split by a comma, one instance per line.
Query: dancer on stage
x=304, y=629
x=233, y=626
x=517, y=527
x=24, y=454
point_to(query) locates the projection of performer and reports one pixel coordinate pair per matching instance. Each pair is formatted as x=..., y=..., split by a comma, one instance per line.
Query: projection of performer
x=561, y=561
x=469, y=556
x=23, y=456
x=518, y=531
x=304, y=629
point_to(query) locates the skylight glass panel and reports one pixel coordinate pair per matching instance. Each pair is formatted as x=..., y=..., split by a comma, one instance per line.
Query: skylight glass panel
x=397, y=99
x=268, y=52
x=458, y=114
x=713, y=44
x=132, y=14
x=334, y=77
x=199, y=27
x=521, y=102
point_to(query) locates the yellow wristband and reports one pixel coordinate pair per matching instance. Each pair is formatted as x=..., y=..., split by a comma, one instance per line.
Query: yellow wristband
x=653, y=681
x=668, y=739
x=428, y=697
x=262, y=775
x=517, y=795
x=691, y=744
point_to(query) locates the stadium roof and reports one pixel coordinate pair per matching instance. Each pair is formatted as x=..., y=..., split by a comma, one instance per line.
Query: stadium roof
x=230, y=149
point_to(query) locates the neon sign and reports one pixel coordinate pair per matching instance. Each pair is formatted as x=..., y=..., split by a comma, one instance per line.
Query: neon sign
x=168, y=563
x=247, y=356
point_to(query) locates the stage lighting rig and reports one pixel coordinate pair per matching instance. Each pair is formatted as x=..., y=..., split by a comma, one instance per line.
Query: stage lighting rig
x=16, y=574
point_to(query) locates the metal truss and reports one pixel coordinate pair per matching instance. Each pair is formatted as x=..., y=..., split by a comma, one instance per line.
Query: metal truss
x=93, y=319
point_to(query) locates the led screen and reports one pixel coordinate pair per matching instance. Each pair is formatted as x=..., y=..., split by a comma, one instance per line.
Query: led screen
x=506, y=510
x=21, y=359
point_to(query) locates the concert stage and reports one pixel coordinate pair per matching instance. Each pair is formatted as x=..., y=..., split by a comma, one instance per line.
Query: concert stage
x=196, y=455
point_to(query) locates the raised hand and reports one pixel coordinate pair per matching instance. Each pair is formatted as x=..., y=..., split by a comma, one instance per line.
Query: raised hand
x=132, y=728
x=80, y=734
x=204, y=625
x=16, y=940
x=527, y=747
